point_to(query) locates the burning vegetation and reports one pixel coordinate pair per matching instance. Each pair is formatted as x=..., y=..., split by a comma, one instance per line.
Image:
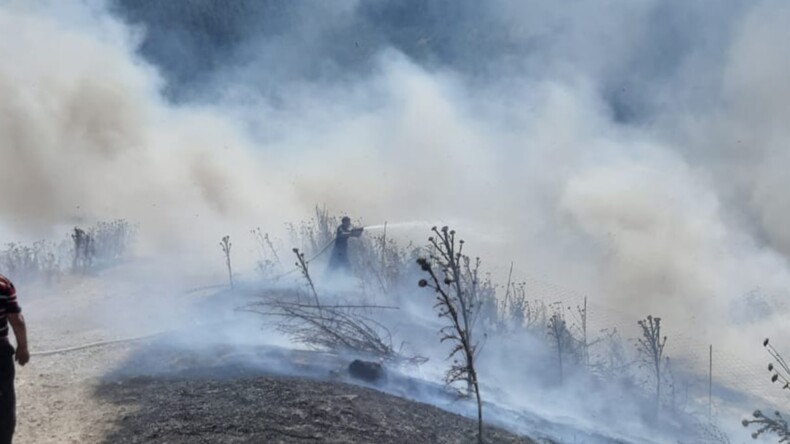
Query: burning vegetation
x=633, y=155
x=552, y=341
x=356, y=322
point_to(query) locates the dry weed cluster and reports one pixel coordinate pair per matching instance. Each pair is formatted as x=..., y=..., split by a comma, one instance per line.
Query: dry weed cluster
x=87, y=249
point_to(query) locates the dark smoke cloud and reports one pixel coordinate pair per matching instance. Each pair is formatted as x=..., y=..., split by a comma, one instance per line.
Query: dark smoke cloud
x=642, y=56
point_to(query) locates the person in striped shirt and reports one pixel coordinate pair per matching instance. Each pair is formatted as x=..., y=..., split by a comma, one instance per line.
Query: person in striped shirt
x=10, y=313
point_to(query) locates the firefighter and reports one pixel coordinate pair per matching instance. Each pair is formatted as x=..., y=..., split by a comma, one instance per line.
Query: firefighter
x=338, y=261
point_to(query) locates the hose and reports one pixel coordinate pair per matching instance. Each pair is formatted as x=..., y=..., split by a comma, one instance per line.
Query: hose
x=95, y=344
x=310, y=259
x=151, y=335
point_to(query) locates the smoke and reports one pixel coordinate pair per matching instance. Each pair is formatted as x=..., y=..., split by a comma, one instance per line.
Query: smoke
x=631, y=150
x=86, y=135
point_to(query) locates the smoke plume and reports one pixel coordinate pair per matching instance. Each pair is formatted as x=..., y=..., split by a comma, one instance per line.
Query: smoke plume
x=631, y=150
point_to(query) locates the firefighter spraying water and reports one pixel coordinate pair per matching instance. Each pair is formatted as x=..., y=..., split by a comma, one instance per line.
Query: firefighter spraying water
x=338, y=261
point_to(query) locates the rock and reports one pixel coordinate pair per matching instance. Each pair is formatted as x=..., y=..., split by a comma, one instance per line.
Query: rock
x=367, y=371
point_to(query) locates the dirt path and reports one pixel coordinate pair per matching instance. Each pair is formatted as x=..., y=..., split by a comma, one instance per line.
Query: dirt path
x=87, y=396
x=56, y=401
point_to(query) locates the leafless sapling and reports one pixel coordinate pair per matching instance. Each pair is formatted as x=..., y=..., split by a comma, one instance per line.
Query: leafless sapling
x=650, y=348
x=525, y=314
x=268, y=260
x=482, y=294
x=506, y=300
x=454, y=302
x=678, y=389
x=302, y=265
x=561, y=338
x=340, y=327
x=585, y=342
x=226, y=244
x=612, y=362
x=517, y=308
x=579, y=334
x=346, y=327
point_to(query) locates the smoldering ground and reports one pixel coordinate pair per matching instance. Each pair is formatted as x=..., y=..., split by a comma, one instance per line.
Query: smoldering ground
x=631, y=151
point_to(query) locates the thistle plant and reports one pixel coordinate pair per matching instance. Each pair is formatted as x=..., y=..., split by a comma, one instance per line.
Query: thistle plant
x=650, y=348
x=455, y=301
x=775, y=424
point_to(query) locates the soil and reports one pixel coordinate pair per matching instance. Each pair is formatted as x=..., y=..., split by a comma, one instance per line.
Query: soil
x=101, y=394
x=77, y=397
x=278, y=409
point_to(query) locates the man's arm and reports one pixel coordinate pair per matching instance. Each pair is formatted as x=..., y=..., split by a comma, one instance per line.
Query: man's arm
x=17, y=322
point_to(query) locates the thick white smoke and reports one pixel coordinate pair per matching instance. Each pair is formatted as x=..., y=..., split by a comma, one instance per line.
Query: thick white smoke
x=678, y=212
x=667, y=199
x=86, y=135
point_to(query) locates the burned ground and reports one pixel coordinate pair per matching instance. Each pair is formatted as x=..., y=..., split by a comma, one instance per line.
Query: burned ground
x=278, y=409
x=269, y=394
x=156, y=391
x=115, y=394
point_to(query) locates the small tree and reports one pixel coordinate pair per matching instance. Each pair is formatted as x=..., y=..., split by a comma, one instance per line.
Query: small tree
x=268, y=263
x=346, y=327
x=455, y=302
x=482, y=294
x=558, y=333
x=225, y=244
x=651, y=351
x=584, y=341
x=612, y=363
x=302, y=265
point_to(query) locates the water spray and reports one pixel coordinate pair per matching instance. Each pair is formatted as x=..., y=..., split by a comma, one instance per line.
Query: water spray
x=401, y=225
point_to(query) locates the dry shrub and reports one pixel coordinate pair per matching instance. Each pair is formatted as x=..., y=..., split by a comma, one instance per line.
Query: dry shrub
x=457, y=295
